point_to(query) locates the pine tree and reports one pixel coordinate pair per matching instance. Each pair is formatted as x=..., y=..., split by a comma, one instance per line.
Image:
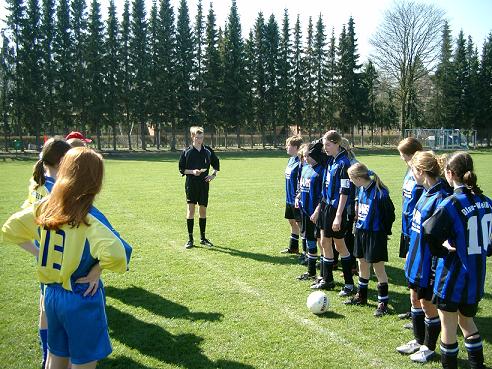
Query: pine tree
x=184, y=68
x=112, y=70
x=297, y=104
x=198, y=81
x=125, y=78
x=48, y=66
x=138, y=55
x=471, y=97
x=249, y=84
x=211, y=75
x=368, y=96
x=309, y=75
x=485, y=112
x=260, y=75
x=320, y=81
x=95, y=70
x=79, y=60
x=233, y=73
x=166, y=46
x=154, y=110
x=285, y=75
x=62, y=48
x=460, y=81
x=5, y=80
x=272, y=58
x=331, y=71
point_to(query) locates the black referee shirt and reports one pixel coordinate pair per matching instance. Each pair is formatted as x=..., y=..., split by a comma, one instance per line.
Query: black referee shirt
x=192, y=159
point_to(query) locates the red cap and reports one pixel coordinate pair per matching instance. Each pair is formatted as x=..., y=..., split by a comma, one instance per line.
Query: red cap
x=78, y=135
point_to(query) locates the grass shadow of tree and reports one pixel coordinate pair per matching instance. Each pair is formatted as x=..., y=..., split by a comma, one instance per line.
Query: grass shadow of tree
x=156, y=304
x=151, y=340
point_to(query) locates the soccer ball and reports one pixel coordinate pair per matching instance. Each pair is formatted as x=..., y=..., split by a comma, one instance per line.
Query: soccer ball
x=318, y=302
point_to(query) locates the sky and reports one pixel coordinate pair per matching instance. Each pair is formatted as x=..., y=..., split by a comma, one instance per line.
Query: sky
x=474, y=17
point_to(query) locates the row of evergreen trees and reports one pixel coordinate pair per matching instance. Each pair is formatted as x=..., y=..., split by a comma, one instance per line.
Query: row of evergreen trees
x=63, y=68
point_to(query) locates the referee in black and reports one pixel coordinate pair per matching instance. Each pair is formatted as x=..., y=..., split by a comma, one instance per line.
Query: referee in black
x=195, y=162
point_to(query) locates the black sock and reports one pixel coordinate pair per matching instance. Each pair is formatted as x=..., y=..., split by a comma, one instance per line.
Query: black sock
x=383, y=293
x=363, y=286
x=475, y=351
x=203, y=225
x=327, y=269
x=449, y=355
x=312, y=264
x=418, y=324
x=190, y=223
x=294, y=242
x=347, y=270
x=304, y=245
x=432, y=330
x=321, y=266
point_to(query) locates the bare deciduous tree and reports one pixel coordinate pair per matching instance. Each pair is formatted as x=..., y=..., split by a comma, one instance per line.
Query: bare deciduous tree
x=407, y=46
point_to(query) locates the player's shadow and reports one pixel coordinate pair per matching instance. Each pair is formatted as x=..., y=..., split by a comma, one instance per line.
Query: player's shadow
x=264, y=258
x=151, y=340
x=158, y=305
x=121, y=362
x=330, y=314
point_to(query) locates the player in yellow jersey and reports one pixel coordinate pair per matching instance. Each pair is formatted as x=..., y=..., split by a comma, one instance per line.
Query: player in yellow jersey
x=73, y=237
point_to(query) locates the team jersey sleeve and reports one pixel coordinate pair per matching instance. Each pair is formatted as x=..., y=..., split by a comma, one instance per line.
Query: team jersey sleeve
x=388, y=213
x=214, y=160
x=344, y=180
x=182, y=163
x=108, y=247
x=437, y=229
x=20, y=227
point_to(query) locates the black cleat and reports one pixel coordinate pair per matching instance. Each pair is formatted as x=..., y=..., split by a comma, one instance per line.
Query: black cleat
x=356, y=300
x=290, y=251
x=306, y=277
x=206, y=242
x=381, y=310
x=189, y=244
x=322, y=285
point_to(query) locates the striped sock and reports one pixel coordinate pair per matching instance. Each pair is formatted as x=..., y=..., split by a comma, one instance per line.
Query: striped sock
x=432, y=330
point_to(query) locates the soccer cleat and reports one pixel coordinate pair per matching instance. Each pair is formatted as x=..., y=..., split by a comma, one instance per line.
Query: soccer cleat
x=407, y=315
x=356, y=300
x=381, y=310
x=409, y=347
x=408, y=326
x=206, y=242
x=306, y=277
x=423, y=355
x=346, y=291
x=290, y=251
x=189, y=244
x=303, y=259
x=322, y=285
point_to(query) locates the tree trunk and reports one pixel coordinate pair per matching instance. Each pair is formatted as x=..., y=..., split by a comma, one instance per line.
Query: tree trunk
x=173, y=135
x=98, y=135
x=143, y=129
x=113, y=127
x=238, y=136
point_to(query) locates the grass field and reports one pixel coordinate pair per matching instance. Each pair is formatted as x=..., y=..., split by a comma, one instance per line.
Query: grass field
x=237, y=305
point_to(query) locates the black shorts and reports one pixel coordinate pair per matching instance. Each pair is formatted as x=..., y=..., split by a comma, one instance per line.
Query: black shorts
x=468, y=310
x=325, y=221
x=197, y=192
x=308, y=228
x=291, y=212
x=371, y=246
x=425, y=293
x=404, y=245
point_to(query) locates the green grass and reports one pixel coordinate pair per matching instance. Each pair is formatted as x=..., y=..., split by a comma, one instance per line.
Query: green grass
x=237, y=305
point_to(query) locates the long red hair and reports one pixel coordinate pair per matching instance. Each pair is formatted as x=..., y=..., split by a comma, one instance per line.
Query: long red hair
x=78, y=182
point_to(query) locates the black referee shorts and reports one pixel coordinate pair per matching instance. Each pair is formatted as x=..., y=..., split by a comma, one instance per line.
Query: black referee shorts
x=197, y=192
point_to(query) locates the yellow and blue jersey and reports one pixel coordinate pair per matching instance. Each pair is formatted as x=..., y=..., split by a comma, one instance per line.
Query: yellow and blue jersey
x=420, y=263
x=70, y=252
x=465, y=219
x=37, y=192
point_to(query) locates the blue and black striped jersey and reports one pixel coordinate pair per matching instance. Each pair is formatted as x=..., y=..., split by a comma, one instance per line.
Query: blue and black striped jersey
x=465, y=220
x=376, y=212
x=420, y=263
x=310, y=188
x=336, y=179
x=291, y=179
x=411, y=194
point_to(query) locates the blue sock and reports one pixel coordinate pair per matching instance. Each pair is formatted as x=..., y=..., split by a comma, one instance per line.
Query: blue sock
x=43, y=337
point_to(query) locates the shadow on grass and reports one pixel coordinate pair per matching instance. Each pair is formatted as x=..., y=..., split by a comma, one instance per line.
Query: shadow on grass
x=182, y=350
x=265, y=258
x=156, y=304
x=331, y=315
x=121, y=362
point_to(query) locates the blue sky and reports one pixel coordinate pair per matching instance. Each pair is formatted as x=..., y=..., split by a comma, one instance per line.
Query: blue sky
x=473, y=16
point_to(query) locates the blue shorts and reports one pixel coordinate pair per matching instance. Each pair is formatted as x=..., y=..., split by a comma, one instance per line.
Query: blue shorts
x=77, y=325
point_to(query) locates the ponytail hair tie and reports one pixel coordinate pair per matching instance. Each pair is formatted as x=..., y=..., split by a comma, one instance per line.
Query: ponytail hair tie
x=370, y=172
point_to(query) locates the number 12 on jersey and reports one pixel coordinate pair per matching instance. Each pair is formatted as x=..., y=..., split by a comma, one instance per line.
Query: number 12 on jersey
x=51, y=251
x=474, y=246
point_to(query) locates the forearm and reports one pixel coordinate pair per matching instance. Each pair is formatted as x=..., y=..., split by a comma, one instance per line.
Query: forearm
x=341, y=204
x=30, y=247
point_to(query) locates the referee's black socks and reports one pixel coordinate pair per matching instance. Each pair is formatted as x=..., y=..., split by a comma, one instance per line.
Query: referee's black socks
x=203, y=225
x=190, y=223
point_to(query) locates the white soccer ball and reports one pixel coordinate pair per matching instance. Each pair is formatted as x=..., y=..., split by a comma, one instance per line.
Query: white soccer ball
x=317, y=302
